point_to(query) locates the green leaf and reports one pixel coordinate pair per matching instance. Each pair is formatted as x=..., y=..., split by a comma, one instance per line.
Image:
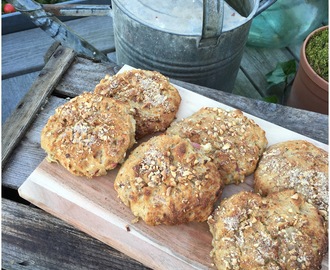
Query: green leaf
x=289, y=67
x=271, y=99
x=283, y=72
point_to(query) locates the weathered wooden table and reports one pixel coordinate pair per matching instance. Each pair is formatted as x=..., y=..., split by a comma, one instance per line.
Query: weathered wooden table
x=33, y=239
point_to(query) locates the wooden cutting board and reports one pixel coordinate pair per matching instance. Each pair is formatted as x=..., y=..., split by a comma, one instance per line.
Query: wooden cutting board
x=92, y=206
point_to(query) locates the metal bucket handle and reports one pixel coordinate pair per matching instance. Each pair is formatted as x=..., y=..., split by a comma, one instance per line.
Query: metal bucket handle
x=213, y=14
x=263, y=5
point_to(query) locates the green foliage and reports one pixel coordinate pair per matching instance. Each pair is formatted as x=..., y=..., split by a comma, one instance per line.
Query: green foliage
x=317, y=50
x=279, y=79
x=271, y=99
x=283, y=73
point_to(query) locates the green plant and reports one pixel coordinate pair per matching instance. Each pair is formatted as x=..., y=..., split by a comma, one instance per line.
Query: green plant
x=279, y=79
x=317, y=50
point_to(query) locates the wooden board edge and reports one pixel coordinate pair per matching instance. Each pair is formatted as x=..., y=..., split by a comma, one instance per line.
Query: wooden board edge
x=98, y=224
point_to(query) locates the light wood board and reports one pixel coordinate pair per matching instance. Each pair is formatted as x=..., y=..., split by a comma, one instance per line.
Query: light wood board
x=92, y=206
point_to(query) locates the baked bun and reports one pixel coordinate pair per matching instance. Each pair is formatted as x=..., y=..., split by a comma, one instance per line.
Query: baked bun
x=233, y=141
x=167, y=181
x=280, y=231
x=295, y=164
x=154, y=101
x=89, y=134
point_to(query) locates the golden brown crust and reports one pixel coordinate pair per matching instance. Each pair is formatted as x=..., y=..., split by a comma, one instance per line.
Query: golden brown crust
x=153, y=99
x=295, y=164
x=89, y=134
x=280, y=231
x=232, y=140
x=167, y=181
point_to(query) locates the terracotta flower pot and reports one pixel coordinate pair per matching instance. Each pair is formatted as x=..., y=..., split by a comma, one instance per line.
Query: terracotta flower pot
x=309, y=91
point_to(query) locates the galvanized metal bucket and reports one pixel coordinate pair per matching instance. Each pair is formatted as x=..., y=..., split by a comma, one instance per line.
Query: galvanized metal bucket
x=201, y=42
x=191, y=40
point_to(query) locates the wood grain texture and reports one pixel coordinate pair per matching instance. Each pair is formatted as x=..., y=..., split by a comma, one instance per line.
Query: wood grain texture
x=15, y=126
x=13, y=90
x=57, y=29
x=26, y=236
x=83, y=76
x=28, y=153
x=257, y=62
x=244, y=87
x=96, y=209
x=23, y=52
x=295, y=50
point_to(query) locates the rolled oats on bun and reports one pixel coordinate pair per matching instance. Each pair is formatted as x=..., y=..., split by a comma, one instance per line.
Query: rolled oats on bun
x=153, y=99
x=298, y=165
x=280, y=231
x=166, y=180
x=89, y=134
x=233, y=141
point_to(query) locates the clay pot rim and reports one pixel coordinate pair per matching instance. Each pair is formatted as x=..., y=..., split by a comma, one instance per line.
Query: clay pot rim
x=309, y=70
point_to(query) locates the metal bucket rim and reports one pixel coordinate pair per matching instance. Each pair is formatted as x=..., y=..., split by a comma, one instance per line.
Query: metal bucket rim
x=193, y=35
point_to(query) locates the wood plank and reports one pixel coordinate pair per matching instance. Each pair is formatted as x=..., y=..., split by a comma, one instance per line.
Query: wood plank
x=295, y=51
x=15, y=126
x=26, y=236
x=83, y=76
x=149, y=245
x=13, y=90
x=23, y=52
x=28, y=153
x=14, y=22
x=98, y=31
x=257, y=62
x=244, y=87
x=91, y=202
